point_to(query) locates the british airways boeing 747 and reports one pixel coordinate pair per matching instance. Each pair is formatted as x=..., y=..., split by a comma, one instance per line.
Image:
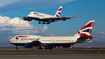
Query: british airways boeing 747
x=28, y=41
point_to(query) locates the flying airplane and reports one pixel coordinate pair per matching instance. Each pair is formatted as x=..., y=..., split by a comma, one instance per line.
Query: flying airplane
x=28, y=41
x=46, y=18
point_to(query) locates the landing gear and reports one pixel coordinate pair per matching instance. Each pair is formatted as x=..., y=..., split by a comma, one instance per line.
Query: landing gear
x=39, y=22
x=17, y=47
x=48, y=23
x=30, y=19
x=43, y=23
x=40, y=46
x=50, y=47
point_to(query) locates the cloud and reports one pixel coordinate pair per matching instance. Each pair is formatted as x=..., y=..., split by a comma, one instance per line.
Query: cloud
x=10, y=27
x=7, y=2
x=17, y=26
x=97, y=33
x=22, y=4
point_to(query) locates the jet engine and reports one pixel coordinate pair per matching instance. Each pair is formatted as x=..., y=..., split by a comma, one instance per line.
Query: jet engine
x=63, y=18
x=52, y=19
x=27, y=19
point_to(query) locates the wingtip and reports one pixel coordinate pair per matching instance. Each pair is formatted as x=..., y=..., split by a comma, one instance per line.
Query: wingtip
x=81, y=16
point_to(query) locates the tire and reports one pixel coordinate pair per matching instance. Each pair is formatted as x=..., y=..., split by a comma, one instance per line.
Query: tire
x=50, y=47
x=40, y=46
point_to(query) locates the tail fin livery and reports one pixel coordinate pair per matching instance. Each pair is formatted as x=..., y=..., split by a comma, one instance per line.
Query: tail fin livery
x=58, y=12
x=86, y=30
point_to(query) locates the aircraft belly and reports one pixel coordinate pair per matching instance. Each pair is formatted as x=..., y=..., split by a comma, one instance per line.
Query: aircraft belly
x=19, y=44
x=58, y=41
x=58, y=44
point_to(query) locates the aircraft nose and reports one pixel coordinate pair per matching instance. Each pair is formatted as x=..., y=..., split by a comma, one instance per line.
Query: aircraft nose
x=10, y=41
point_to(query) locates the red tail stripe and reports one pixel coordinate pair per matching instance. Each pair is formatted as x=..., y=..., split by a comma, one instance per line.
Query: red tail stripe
x=81, y=34
x=90, y=37
x=57, y=15
x=88, y=25
x=60, y=9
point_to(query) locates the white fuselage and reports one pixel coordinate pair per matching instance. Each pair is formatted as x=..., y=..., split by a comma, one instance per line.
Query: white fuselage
x=39, y=15
x=43, y=39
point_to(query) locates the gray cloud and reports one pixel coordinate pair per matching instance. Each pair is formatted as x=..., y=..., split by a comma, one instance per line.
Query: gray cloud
x=100, y=36
x=97, y=33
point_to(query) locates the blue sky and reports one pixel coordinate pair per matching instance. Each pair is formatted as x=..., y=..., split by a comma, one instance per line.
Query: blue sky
x=12, y=12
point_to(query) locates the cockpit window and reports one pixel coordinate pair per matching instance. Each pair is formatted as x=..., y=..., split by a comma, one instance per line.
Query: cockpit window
x=17, y=38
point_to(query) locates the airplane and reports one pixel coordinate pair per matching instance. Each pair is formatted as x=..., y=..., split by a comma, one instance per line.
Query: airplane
x=46, y=18
x=48, y=42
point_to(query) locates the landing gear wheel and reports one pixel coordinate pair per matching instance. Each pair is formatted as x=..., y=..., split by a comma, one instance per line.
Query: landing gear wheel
x=48, y=47
x=48, y=23
x=39, y=22
x=17, y=47
x=43, y=23
x=40, y=46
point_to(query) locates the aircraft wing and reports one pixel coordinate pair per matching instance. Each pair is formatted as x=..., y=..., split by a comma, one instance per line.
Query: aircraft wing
x=53, y=19
x=49, y=19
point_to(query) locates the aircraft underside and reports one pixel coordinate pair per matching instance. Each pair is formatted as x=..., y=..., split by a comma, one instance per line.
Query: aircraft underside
x=41, y=46
x=44, y=21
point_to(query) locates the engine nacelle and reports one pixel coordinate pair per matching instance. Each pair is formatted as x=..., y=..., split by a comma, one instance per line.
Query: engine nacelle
x=52, y=19
x=28, y=45
x=27, y=19
x=63, y=18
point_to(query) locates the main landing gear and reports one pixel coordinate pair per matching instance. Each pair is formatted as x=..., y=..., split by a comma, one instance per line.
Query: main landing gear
x=50, y=47
x=41, y=46
x=17, y=47
x=39, y=22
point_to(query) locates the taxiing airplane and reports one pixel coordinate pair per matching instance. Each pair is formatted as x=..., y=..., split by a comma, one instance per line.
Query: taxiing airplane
x=46, y=18
x=28, y=41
